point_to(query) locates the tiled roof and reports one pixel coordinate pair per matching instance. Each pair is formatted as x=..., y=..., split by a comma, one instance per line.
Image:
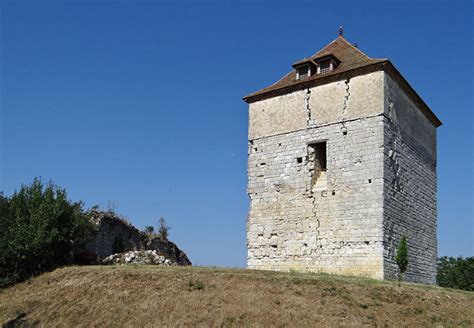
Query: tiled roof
x=353, y=62
x=349, y=56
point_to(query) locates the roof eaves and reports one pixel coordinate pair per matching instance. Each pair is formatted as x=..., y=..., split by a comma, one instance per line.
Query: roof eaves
x=384, y=65
x=319, y=80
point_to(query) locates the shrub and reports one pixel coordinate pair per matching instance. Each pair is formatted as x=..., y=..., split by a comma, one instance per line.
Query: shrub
x=163, y=229
x=456, y=272
x=39, y=229
x=195, y=285
x=402, y=257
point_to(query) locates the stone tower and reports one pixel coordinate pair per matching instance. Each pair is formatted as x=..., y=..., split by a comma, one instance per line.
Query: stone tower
x=341, y=164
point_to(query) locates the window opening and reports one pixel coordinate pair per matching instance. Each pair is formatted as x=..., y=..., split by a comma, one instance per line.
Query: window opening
x=317, y=160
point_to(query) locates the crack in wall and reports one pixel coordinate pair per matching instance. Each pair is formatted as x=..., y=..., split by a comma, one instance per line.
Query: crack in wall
x=346, y=99
x=318, y=224
x=393, y=149
x=345, y=105
x=307, y=107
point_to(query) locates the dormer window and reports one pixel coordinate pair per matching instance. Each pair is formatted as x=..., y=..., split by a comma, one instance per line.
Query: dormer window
x=325, y=67
x=303, y=72
x=326, y=64
x=304, y=69
x=315, y=66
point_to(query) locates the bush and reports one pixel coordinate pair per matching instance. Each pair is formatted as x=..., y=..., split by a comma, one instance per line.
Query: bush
x=402, y=257
x=456, y=272
x=149, y=230
x=163, y=229
x=39, y=230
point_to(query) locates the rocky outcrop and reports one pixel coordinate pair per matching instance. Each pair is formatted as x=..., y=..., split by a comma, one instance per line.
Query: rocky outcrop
x=116, y=236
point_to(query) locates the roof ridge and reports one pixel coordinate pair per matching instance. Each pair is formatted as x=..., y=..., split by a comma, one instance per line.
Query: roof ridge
x=320, y=50
x=354, y=48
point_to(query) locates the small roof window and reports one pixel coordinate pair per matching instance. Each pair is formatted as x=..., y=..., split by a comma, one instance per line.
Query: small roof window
x=326, y=64
x=303, y=72
x=304, y=69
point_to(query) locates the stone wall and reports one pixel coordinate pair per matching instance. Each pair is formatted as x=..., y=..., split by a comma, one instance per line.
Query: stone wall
x=336, y=229
x=114, y=231
x=410, y=187
x=115, y=235
x=345, y=219
x=331, y=221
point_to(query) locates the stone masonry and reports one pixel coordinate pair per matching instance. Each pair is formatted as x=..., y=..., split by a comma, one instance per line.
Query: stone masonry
x=341, y=164
x=115, y=235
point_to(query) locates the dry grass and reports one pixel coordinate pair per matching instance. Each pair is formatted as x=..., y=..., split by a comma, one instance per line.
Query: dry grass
x=148, y=296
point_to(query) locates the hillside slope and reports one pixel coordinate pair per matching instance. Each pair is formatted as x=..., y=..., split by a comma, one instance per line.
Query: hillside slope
x=104, y=296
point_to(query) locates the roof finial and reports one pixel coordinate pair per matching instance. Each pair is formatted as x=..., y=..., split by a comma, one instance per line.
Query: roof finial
x=341, y=30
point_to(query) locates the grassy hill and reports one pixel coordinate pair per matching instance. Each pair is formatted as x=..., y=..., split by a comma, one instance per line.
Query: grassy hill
x=103, y=296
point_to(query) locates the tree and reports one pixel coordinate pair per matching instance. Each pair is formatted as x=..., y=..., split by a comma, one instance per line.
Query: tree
x=163, y=229
x=456, y=272
x=402, y=257
x=39, y=230
x=149, y=230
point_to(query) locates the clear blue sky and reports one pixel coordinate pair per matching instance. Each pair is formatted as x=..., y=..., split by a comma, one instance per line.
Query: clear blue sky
x=139, y=102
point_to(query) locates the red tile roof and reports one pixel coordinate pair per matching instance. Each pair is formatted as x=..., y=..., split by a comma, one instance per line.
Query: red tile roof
x=353, y=62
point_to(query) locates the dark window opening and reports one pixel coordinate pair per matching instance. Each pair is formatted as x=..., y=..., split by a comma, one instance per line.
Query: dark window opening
x=319, y=154
x=303, y=72
x=299, y=160
x=325, y=67
x=317, y=165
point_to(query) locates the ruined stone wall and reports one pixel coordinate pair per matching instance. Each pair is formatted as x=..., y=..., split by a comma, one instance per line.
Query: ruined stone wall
x=112, y=231
x=334, y=224
x=410, y=186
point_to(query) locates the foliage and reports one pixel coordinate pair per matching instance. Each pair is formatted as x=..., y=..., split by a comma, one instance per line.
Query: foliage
x=195, y=285
x=149, y=230
x=456, y=272
x=39, y=229
x=402, y=256
x=163, y=229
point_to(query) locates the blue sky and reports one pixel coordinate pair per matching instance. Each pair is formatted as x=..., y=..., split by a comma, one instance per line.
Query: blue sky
x=139, y=103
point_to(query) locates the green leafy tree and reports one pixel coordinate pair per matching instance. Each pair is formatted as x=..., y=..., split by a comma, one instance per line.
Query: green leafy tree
x=402, y=257
x=163, y=229
x=456, y=272
x=40, y=229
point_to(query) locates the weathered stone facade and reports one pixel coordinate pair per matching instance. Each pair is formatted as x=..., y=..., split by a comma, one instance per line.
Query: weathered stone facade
x=338, y=171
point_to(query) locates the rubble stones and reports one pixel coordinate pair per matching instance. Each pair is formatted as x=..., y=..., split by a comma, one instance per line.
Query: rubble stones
x=151, y=257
